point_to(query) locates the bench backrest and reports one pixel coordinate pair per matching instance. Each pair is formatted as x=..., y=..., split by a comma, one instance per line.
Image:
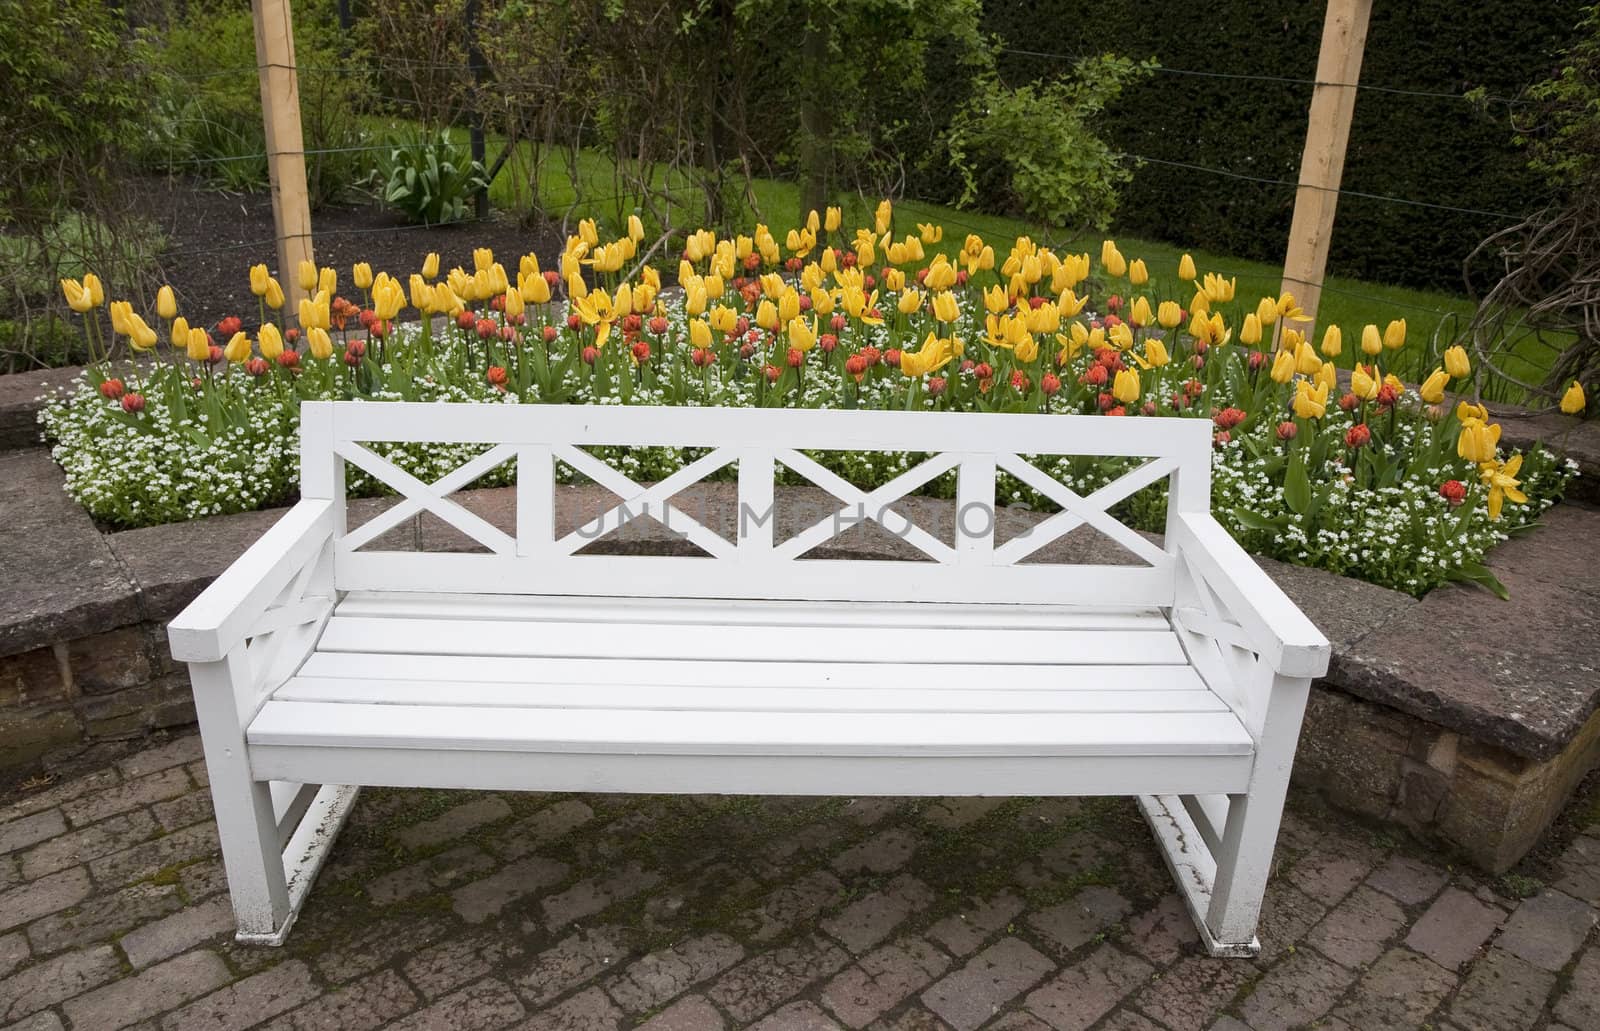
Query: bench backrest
x=970, y=566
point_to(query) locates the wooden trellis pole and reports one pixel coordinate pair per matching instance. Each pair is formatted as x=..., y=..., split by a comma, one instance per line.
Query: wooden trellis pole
x=1333, y=103
x=286, y=159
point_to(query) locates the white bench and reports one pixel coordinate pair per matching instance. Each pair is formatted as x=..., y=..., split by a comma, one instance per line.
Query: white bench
x=321, y=662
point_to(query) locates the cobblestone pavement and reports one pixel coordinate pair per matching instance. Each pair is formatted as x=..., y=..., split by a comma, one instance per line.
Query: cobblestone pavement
x=484, y=911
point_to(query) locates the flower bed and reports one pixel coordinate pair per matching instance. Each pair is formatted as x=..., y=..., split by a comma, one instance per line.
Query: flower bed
x=1374, y=479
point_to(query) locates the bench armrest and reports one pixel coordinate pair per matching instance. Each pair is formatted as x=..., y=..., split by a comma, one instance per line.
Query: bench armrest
x=1273, y=625
x=228, y=610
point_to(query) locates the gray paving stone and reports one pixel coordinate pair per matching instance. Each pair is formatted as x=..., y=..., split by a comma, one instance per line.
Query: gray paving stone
x=171, y=935
x=962, y=933
x=1287, y=913
x=884, y=852
x=771, y=978
x=376, y=945
x=147, y=790
x=463, y=818
x=56, y=980
x=482, y=1006
x=147, y=860
x=1295, y=992
x=144, y=995
x=691, y=1013
x=45, y=896
x=531, y=833
x=791, y=903
x=184, y=811
x=1578, y=870
x=482, y=899
x=659, y=977
x=589, y=1010
x=1454, y=928
x=1081, y=918
x=1162, y=933
x=14, y=952
x=1501, y=993
x=362, y=1006
x=1579, y=1004
x=1547, y=929
x=32, y=829
x=971, y=995
x=103, y=916
x=1089, y=989
x=80, y=846
x=442, y=968
x=45, y=1021
x=1408, y=880
x=882, y=979
x=1355, y=931
x=595, y=894
x=248, y=1002
x=182, y=749
x=797, y=1016
x=872, y=918
x=1186, y=996
x=448, y=868
x=56, y=794
x=1329, y=875
x=569, y=963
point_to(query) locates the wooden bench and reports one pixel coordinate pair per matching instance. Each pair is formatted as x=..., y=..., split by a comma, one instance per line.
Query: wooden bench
x=321, y=661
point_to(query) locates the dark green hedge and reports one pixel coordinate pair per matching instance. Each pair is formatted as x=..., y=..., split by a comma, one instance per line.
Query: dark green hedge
x=1437, y=149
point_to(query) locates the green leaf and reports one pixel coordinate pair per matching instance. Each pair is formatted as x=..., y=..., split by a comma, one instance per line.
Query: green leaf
x=1297, y=485
x=1256, y=521
x=1478, y=573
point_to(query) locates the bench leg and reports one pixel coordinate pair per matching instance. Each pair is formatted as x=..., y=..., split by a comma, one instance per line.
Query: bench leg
x=1222, y=871
x=270, y=865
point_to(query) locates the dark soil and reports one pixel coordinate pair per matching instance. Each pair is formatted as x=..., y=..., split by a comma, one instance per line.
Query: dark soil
x=213, y=238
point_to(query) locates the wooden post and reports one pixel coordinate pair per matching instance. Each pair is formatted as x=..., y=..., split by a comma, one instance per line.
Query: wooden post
x=1333, y=104
x=286, y=159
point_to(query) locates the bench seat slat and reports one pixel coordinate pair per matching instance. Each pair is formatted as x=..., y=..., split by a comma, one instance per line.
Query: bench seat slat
x=724, y=733
x=931, y=676
x=420, y=605
x=755, y=696
x=708, y=641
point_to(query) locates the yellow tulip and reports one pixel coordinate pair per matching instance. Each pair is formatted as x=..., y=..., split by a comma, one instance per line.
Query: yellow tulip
x=1266, y=311
x=929, y=233
x=1283, y=367
x=941, y=274
x=1478, y=440
x=307, y=275
x=699, y=334
x=1200, y=302
x=361, y=275
x=1070, y=303
x=140, y=335
x=1125, y=387
x=802, y=337
x=822, y=302
x=78, y=298
x=1186, y=268
x=831, y=219
x=270, y=341
x=910, y=301
x=1140, y=314
x=1250, y=332
x=1332, y=342
x=1169, y=314
x=1363, y=383
x=1112, y=260
x=1432, y=388
x=1138, y=275
x=180, y=332
x=1371, y=342
x=514, y=303
x=122, y=318
x=1456, y=362
x=1573, y=401
x=166, y=303
x=273, y=294
x=1310, y=402
x=430, y=265
x=945, y=308
x=1394, y=335
x=724, y=319
x=1328, y=375
x=1219, y=290
x=328, y=279
x=635, y=228
x=318, y=345
x=1155, y=353
x=883, y=216
x=1501, y=479
x=97, y=292
x=788, y=304
x=767, y=315
x=238, y=348
x=1120, y=336
x=588, y=232
x=198, y=345
x=1306, y=362
x=534, y=289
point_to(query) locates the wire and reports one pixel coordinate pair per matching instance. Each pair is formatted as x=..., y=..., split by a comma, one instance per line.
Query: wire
x=1283, y=79
x=1327, y=189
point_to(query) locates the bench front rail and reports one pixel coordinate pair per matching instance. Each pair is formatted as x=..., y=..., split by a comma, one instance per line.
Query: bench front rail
x=322, y=660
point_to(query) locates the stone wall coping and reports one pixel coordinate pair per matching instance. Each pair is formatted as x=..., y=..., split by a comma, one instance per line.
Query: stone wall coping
x=1523, y=675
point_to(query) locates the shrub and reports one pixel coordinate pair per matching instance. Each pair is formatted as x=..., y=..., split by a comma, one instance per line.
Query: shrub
x=428, y=177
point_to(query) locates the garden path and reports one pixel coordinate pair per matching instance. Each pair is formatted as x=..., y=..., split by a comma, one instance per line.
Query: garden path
x=529, y=911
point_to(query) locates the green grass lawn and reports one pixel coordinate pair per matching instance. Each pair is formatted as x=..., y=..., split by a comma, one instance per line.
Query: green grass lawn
x=1434, y=319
